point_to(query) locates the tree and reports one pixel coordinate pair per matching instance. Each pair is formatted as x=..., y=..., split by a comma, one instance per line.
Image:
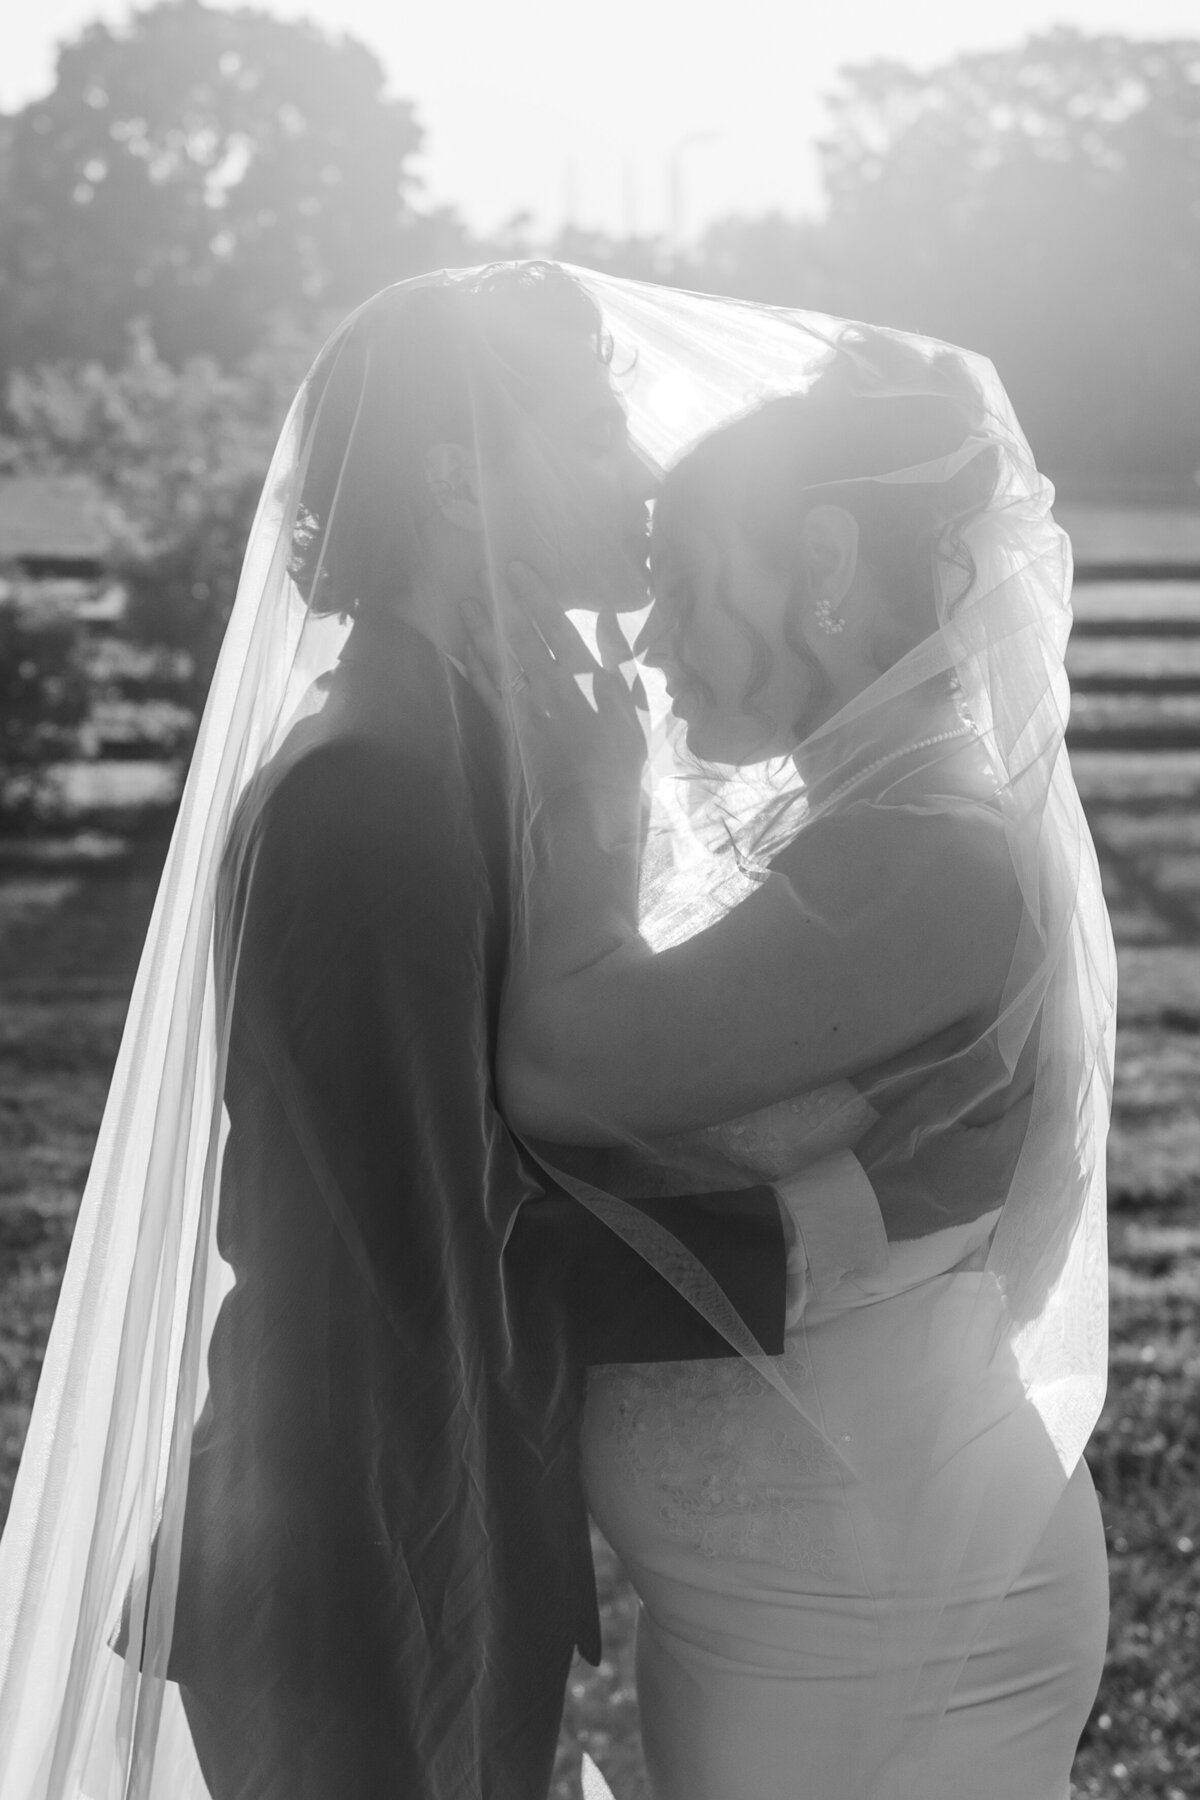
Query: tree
x=205, y=170
x=180, y=453
x=44, y=699
x=1041, y=204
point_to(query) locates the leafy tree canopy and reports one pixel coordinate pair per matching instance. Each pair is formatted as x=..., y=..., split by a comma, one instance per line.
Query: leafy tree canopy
x=1063, y=111
x=180, y=453
x=205, y=170
x=1041, y=203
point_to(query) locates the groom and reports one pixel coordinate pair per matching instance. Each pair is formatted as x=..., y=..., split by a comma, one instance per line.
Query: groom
x=386, y=1564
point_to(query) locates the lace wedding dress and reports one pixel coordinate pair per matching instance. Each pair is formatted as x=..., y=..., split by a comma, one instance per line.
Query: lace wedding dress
x=763, y=1556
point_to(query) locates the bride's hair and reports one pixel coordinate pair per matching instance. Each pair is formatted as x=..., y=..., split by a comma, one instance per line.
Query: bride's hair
x=419, y=366
x=878, y=406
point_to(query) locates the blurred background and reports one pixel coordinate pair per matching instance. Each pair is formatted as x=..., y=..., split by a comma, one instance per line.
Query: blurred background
x=191, y=195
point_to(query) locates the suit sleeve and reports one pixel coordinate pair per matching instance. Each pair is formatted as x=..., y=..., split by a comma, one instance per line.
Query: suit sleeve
x=620, y=1309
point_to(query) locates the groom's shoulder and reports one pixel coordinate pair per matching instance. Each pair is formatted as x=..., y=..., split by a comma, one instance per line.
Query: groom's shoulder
x=337, y=792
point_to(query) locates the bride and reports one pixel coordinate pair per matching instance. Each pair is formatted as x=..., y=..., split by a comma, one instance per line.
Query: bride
x=876, y=1566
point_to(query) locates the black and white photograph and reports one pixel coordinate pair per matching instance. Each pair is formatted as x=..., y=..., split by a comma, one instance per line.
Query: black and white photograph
x=600, y=901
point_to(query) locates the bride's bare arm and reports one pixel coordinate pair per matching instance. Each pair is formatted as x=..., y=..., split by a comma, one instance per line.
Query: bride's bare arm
x=892, y=929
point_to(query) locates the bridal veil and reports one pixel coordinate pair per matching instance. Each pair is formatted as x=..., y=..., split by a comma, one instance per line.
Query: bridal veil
x=90, y=1559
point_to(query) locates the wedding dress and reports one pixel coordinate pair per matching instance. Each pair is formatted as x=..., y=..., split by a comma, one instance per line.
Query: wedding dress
x=760, y=1560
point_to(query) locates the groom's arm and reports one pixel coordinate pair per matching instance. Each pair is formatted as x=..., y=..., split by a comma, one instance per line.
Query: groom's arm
x=619, y=1308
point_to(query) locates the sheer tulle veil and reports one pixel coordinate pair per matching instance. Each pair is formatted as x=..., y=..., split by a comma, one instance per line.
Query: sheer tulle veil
x=97, y=1516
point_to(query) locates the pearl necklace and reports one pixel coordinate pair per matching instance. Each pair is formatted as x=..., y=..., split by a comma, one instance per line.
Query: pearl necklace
x=942, y=737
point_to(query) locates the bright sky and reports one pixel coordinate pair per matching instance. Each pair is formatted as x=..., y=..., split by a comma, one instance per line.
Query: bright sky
x=560, y=109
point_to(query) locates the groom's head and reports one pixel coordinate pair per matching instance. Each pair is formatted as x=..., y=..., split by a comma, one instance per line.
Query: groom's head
x=458, y=426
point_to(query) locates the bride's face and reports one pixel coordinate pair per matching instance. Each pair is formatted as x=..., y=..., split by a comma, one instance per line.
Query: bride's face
x=738, y=674
x=749, y=668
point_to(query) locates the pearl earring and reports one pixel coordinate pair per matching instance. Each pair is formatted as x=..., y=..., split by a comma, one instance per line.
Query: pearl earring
x=827, y=621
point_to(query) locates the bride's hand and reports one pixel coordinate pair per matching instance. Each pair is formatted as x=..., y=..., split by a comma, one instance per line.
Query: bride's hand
x=575, y=717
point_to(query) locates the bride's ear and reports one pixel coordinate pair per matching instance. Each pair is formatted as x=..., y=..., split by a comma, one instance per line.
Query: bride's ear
x=451, y=477
x=831, y=550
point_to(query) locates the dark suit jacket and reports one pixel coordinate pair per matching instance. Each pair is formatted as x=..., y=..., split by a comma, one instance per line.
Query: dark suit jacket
x=386, y=1560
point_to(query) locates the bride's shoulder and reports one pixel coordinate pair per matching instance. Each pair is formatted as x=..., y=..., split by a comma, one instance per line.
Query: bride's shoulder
x=921, y=902
x=874, y=847
x=934, y=892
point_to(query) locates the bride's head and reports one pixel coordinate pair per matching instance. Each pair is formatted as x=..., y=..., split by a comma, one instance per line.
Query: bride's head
x=787, y=576
x=458, y=424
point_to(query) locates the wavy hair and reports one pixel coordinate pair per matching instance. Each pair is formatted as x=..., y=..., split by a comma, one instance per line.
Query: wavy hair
x=876, y=408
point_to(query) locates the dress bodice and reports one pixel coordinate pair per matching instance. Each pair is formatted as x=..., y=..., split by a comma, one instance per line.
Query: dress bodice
x=803, y=1147
x=734, y=1470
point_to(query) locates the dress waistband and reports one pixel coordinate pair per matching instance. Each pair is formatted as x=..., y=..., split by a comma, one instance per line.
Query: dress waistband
x=838, y=1239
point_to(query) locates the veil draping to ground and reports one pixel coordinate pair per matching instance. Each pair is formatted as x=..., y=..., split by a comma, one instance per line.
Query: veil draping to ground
x=94, y=1539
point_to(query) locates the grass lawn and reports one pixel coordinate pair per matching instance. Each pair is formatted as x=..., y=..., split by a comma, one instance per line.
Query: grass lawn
x=71, y=920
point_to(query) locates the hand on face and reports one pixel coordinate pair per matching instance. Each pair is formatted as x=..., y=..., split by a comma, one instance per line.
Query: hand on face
x=574, y=716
